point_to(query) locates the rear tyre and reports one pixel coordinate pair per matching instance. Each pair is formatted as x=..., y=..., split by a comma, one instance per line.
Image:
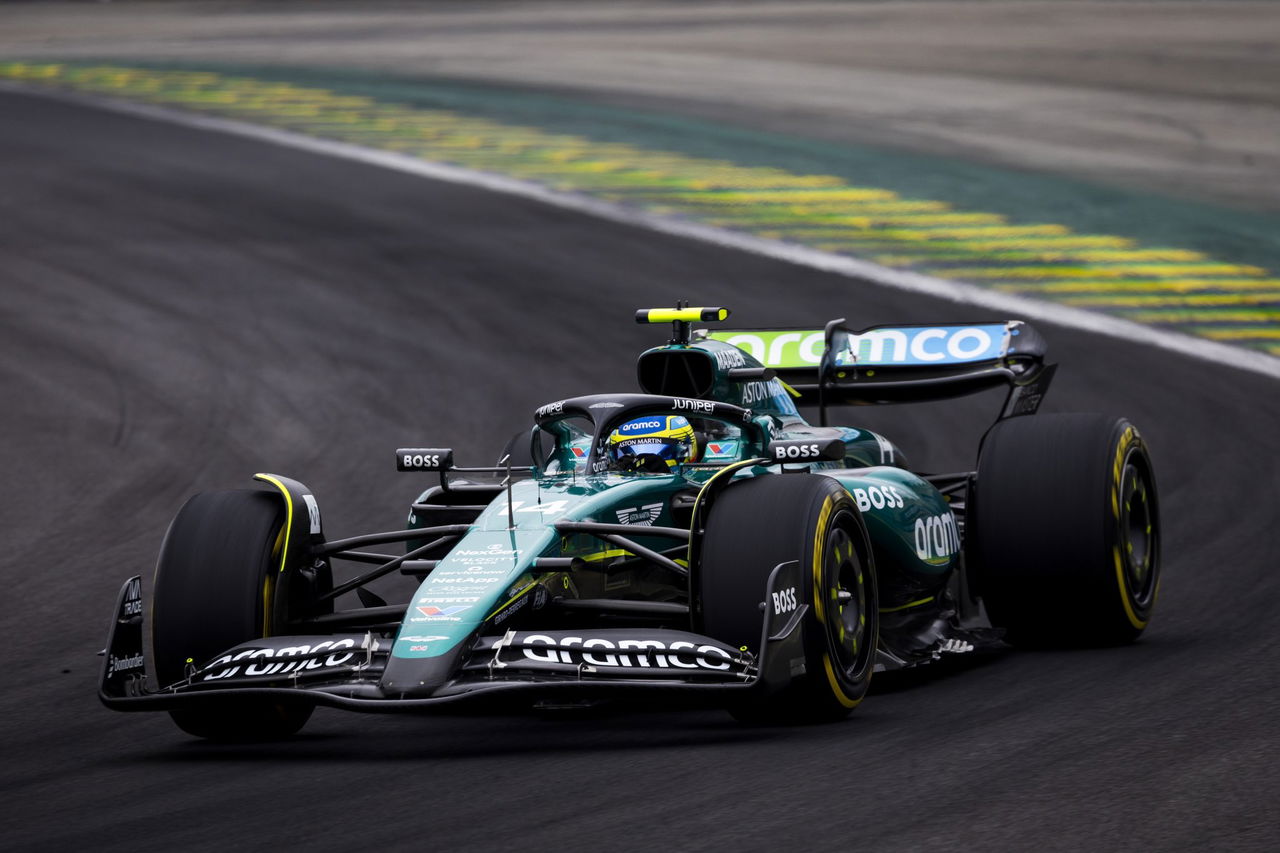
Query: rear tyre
x=752, y=527
x=213, y=586
x=1065, y=532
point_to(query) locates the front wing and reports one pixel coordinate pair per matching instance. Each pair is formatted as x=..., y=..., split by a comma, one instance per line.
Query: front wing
x=344, y=670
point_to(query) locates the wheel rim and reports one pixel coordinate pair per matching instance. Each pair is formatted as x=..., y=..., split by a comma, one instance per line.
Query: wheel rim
x=847, y=603
x=1137, y=530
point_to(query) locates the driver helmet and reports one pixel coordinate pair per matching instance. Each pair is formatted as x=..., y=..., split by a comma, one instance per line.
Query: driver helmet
x=653, y=443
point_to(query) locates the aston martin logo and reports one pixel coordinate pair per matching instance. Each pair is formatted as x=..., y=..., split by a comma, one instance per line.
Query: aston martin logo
x=645, y=515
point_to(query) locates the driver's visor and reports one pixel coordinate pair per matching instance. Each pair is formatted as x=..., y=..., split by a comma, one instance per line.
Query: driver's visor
x=638, y=447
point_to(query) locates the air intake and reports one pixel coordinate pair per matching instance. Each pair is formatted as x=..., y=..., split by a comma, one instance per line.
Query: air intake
x=677, y=372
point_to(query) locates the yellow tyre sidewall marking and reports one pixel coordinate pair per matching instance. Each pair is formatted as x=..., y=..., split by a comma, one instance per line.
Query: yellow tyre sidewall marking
x=1127, y=441
x=819, y=540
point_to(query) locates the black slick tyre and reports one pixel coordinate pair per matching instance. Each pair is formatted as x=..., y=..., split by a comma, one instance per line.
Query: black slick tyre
x=751, y=528
x=1064, y=536
x=212, y=591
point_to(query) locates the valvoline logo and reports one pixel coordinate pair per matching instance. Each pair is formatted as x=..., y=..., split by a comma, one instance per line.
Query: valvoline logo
x=640, y=426
x=441, y=611
x=720, y=449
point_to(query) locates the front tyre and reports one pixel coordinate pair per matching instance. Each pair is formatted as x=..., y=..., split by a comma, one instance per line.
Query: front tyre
x=751, y=528
x=1066, y=531
x=213, y=590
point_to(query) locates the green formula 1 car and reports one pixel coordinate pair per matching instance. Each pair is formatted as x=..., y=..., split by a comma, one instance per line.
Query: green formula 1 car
x=699, y=539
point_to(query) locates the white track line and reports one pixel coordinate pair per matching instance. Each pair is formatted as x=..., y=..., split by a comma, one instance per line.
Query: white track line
x=1007, y=305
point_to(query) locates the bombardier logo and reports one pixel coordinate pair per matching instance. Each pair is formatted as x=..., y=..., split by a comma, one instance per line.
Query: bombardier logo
x=123, y=664
x=644, y=516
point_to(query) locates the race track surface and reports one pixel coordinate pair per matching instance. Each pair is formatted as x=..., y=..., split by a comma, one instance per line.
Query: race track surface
x=182, y=309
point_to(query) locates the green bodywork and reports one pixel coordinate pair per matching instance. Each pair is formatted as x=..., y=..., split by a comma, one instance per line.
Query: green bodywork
x=488, y=580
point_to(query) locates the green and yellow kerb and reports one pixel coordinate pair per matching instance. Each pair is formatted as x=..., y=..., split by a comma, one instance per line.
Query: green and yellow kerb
x=1164, y=286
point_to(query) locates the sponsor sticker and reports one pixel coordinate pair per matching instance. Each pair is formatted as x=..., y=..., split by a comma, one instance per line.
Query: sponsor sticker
x=784, y=601
x=705, y=406
x=922, y=346
x=757, y=392
x=433, y=610
x=124, y=664
x=647, y=425
x=727, y=359
x=313, y=512
x=257, y=663
x=647, y=654
x=132, y=599
x=494, y=551
x=937, y=538
x=907, y=346
x=881, y=497
x=514, y=608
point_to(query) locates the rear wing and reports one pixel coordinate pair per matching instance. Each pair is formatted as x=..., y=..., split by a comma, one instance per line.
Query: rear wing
x=837, y=365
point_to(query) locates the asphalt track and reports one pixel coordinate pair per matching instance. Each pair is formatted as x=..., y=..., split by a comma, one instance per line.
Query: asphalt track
x=181, y=309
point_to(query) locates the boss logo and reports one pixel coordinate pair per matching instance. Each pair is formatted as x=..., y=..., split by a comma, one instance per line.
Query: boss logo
x=423, y=459
x=878, y=498
x=795, y=451
x=784, y=601
x=806, y=451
